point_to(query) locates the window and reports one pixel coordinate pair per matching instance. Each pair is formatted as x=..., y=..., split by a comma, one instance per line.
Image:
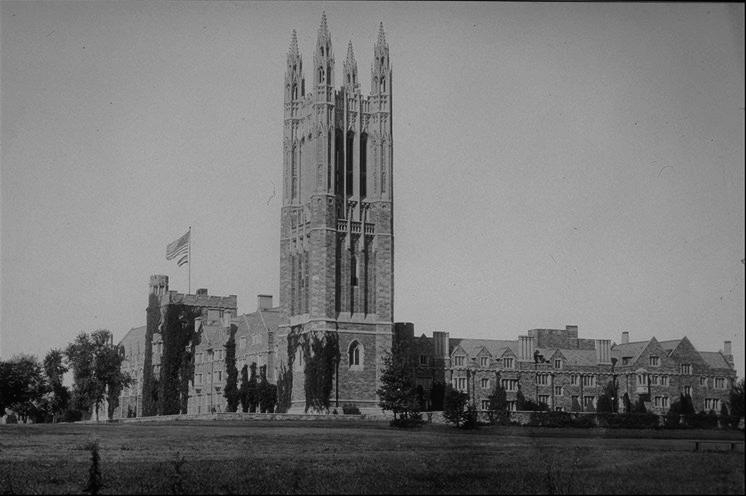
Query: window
x=459, y=383
x=544, y=398
x=575, y=400
x=485, y=404
x=353, y=354
x=423, y=359
x=654, y=380
x=458, y=361
x=589, y=380
x=558, y=390
x=719, y=382
x=626, y=360
x=657, y=401
x=198, y=379
x=508, y=363
x=664, y=402
x=542, y=379
x=686, y=368
x=557, y=363
x=642, y=380
x=485, y=383
x=483, y=361
x=664, y=380
x=220, y=375
x=712, y=404
x=574, y=380
x=353, y=266
x=703, y=381
x=511, y=406
x=509, y=384
x=688, y=390
x=654, y=361
x=588, y=401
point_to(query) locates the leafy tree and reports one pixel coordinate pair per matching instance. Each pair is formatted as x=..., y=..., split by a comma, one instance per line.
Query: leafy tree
x=687, y=406
x=22, y=385
x=97, y=374
x=575, y=406
x=398, y=392
x=436, y=395
x=454, y=406
x=267, y=393
x=640, y=406
x=252, y=392
x=244, y=390
x=520, y=400
x=605, y=403
x=58, y=396
x=737, y=398
x=627, y=403
x=498, y=399
x=231, y=392
x=723, y=409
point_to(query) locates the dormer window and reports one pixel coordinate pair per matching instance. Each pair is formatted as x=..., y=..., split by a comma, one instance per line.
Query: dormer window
x=508, y=363
x=458, y=361
x=654, y=361
x=483, y=361
x=557, y=363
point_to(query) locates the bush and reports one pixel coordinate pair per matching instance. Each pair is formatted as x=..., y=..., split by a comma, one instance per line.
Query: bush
x=550, y=419
x=350, y=409
x=498, y=417
x=583, y=421
x=412, y=420
x=471, y=418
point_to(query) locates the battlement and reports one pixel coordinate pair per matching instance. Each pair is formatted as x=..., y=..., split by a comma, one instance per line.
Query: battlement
x=201, y=300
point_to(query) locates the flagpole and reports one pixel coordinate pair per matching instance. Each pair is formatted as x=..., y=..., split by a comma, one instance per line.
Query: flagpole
x=189, y=290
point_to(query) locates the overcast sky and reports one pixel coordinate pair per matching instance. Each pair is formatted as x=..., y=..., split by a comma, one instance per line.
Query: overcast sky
x=554, y=164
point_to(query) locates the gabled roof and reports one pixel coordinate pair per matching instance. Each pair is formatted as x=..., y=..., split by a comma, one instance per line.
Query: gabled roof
x=629, y=350
x=495, y=347
x=135, y=334
x=579, y=357
x=262, y=320
x=714, y=359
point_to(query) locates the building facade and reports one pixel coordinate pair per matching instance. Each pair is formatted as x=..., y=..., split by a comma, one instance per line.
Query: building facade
x=336, y=233
x=323, y=345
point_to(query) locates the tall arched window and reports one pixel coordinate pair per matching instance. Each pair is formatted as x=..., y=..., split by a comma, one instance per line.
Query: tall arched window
x=348, y=162
x=356, y=355
x=383, y=85
x=295, y=91
x=294, y=174
x=353, y=270
x=363, y=165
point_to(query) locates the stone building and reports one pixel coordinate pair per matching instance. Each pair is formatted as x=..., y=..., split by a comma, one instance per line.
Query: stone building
x=336, y=248
x=556, y=367
x=322, y=346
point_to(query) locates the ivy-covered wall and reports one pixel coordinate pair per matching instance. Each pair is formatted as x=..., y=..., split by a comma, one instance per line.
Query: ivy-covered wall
x=177, y=362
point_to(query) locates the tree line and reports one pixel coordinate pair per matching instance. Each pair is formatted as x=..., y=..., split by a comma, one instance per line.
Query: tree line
x=33, y=390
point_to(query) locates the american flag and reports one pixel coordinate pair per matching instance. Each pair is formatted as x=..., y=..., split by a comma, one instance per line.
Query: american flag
x=179, y=248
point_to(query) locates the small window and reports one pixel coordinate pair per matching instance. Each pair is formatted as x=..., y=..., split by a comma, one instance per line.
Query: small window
x=687, y=390
x=719, y=383
x=220, y=375
x=626, y=360
x=654, y=380
x=485, y=404
x=558, y=390
x=542, y=379
x=423, y=359
x=703, y=381
x=483, y=361
x=557, y=363
x=459, y=383
x=509, y=384
x=544, y=398
x=458, y=361
x=664, y=380
x=589, y=380
x=355, y=355
x=574, y=380
x=654, y=361
x=686, y=368
x=508, y=363
x=588, y=401
x=485, y=383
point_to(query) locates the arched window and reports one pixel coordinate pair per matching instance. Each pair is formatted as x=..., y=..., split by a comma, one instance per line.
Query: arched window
x=383, y=85
x=322, y=50
x=353, y=271
x=295, y=91
x=348, y=163
x=349, y=80
x=356, y=355
x=321, y=74
x=363, y=165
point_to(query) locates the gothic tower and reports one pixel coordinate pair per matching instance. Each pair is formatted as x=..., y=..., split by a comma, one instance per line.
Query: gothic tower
x=336, y=261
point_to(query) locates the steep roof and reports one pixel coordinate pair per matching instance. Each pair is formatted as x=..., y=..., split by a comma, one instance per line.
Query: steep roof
x=261, y=320
x=714, y=359
x=579, y=357
x=629, y=349
x=134, y=334
x=496, y=347
x=669, y=345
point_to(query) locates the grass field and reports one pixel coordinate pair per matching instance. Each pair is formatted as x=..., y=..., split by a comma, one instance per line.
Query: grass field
x=369, y=457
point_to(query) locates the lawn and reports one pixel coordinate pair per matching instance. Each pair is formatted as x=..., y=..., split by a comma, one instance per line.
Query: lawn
x=369, y=457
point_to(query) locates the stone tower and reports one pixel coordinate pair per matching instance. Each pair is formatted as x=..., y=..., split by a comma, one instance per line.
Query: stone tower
x=336, y=242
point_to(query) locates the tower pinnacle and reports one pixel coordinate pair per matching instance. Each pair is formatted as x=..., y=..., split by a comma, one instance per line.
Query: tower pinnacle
x=381, y=35
x=293, y=44
x=323, y=29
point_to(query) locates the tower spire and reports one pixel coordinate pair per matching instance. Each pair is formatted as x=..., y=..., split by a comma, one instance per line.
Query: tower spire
x=381, y=35
x=323, y=29
x=350, y=70
x=294, y=44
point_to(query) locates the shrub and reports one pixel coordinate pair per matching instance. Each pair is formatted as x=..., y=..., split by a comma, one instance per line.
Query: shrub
x=583, y=421
x=412, y=420
x=471, y=417
x=550, y=419
x=498, y=417
x=350, y=409
x=454, y=406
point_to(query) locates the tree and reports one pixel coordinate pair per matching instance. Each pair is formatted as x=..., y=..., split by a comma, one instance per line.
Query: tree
x=737, y=398
x=231, y=392
x=97, y=374
x=243, y=392
x=58, y=396
x=436, y=395
x=454, y=406
x=252, y=395
x=575, y=406
x=498, y=399
x=627, y=403
x=22, y=385
x=398, y=392
x=605, y=403
x=267, y=393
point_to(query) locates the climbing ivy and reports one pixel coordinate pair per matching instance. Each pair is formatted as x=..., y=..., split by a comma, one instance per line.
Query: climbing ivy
x=321, y=354
x=177, y=361
x=231, y=385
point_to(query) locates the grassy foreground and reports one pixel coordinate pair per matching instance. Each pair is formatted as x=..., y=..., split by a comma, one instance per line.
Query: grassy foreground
x=370, y=457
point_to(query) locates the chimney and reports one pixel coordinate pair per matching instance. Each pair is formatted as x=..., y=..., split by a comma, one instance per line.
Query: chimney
x=603, y=351
x=625, y=337
x=728, y=354
x=201, y=292
x=440, y=345
x=727, y=348
x=572, y=331
x=263, y=302
x=526, y=348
